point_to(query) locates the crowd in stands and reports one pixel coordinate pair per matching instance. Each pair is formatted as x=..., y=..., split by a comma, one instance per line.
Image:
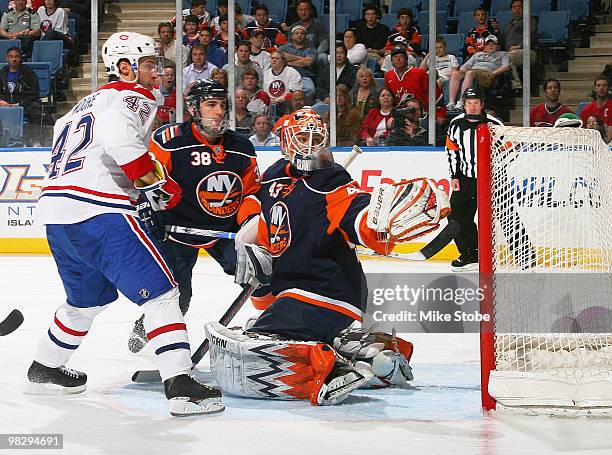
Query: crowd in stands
x=382, y=81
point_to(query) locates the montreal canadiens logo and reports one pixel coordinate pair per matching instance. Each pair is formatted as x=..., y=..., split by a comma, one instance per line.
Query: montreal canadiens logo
x=277, y=88
x=220, y=193
x=279, y=229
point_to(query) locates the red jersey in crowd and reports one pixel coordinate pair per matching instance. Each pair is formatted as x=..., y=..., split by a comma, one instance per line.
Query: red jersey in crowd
x=414, y=83
x=542, y=115
x=604, y=112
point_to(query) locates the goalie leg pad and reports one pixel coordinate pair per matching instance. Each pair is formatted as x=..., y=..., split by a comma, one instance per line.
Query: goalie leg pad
x=261, y=366
x=406, y=210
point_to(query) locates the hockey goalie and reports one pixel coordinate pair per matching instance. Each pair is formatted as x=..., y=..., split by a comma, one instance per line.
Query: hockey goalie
x=302, y=244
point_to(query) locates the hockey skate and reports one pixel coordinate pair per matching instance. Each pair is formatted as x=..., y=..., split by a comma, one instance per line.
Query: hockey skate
x=138, y=337
x=342, y=380
x=54, y=381
x=189, y=397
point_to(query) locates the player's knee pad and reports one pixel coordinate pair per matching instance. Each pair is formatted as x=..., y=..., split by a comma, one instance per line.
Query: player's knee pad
x=260, y=366
x=386, y=355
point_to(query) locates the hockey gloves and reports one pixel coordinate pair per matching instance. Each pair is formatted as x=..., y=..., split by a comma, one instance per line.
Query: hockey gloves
x=152, y=219
x=253, y=266
x=163, y=194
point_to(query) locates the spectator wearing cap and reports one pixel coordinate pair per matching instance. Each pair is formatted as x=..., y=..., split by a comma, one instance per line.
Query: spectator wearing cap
x=199, y=69
x=302, y=57
x=316, y=31
x=165, y=30
x=198, y=9
x=399, y=41
x=484, y=67
x=364, y=95
x=357, y=54
x=214, y=55
x=462, y=140
x=409, y=82
x=371, y=33
x=259, y=101
x=258, y=54
x=21, y=23
x=281, y=81
x=475, y=38
x=547, y=113
x=273, y=34
x=263, y=137
x=19, y=87
x=406, y=28
x=513, y=41
x=242, y=61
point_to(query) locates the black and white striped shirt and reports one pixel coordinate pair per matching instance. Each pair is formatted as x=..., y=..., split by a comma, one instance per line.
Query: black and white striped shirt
x=461, y=145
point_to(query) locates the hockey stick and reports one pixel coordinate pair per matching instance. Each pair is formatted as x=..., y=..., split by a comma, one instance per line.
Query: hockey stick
x=201, y=232
x=11, y=322
x=444, y=237
x=146, y=376
x=349, y=159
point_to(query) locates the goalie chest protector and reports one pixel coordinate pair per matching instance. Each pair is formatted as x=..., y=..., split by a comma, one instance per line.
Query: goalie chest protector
x=306, y=223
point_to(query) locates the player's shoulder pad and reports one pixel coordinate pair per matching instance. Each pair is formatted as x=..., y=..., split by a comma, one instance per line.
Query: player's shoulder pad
x=329, y=179
x=232, y=141
x=165, y=134
x=276, y=170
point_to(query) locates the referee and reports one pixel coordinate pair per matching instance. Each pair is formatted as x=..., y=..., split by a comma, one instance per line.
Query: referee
x=462, y=151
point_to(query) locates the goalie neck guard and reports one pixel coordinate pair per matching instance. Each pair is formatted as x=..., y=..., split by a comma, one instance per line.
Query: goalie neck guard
x=202, y=90
x=304, y=140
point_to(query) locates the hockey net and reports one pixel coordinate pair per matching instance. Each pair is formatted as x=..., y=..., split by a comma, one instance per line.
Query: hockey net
x=545, y=245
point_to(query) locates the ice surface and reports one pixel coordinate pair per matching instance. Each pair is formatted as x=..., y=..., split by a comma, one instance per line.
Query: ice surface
x=440, y=414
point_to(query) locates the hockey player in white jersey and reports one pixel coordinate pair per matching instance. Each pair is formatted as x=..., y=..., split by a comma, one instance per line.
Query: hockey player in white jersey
x=99, y=167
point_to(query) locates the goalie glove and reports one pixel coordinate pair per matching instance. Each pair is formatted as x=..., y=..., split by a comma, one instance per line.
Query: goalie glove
x=406, y=210
x=163, y=194
x=253, y=266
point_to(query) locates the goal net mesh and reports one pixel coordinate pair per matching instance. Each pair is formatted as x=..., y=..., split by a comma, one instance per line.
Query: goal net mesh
x=551, y=197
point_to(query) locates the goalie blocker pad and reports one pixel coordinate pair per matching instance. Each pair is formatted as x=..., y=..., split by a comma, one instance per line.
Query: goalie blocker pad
x=260, y=366
x=406, y=210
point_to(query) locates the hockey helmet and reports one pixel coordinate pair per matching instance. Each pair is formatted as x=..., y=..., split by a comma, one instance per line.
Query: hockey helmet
x=128, y=46
x=304, y=140
x=204, y=89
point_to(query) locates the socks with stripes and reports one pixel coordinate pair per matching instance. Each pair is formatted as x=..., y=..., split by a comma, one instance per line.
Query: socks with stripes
x=167, y=334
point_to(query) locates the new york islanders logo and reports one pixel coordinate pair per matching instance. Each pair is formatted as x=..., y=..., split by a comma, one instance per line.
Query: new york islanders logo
x=279, y=231
x=277, y=88
x=220, y=193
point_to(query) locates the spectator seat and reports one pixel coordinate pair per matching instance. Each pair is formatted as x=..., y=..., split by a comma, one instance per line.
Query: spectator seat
x=553, y=28
x=466, y=22
x=578, y=9
x=353, y=8
x=11, y=123
x=49, y=51
x=454, y=43
x=423, y=21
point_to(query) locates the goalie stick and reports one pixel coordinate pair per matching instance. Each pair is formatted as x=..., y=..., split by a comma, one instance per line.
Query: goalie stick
x=444, y=237
x=11, y=322
x=145, y=376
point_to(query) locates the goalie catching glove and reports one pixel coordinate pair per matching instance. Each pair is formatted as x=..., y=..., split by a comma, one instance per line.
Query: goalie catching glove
x=163, y=194
x=406, y=210
x=253, y=263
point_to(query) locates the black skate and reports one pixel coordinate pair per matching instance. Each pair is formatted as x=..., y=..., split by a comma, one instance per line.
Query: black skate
x=138, y=337
x=343, y=379
x=54, y=381
x=190, y=397
x=464, y=264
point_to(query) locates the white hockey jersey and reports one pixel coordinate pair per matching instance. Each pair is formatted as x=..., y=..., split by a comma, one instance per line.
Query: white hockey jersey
x=99, y=148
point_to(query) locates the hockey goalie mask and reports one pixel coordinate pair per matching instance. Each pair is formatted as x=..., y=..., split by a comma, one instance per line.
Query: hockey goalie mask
x=131, y=47
x=304, y=141
x=200, y=91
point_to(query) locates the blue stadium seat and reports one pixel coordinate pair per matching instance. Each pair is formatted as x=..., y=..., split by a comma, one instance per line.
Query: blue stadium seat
x=390, y=20
x=5, y=44
x=553, y=27
x=211, y=7
x=49, y=51
x=581, y=106
x=11, y=125
x=245, y=5
x=353, y=8
x=503, y=19
x=465, y=6
x=277, y=9
x=539, y=6
x=579, y=9
x=3, y=6
x=423, y=20
x=412, y=4
x=441, y=5
x=72, y=27
x=319, y=6
x=44, y=75
x=454, y=43
x=497, y=6
x=342, y=21
x=466, y=22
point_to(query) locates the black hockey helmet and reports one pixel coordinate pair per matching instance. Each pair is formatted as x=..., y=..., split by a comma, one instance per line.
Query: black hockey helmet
x=204, y=89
